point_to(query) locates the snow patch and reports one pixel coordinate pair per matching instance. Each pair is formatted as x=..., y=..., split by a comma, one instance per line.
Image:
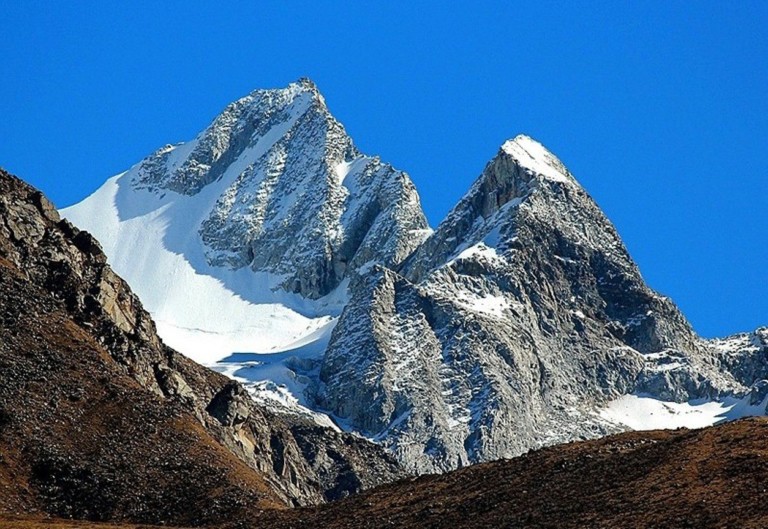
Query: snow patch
x=479, y=250
x=535, y=157
x=282, y=377
x=493, y=305
x=640, y=412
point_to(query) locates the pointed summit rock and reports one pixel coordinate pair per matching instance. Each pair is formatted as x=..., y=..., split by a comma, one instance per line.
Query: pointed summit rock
x=188, y=167
x=486, y=214
x=243, y=238
x=514, y=323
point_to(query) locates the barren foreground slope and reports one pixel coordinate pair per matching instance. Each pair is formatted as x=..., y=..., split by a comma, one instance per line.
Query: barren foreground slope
x=715, y=477
x=710, y=478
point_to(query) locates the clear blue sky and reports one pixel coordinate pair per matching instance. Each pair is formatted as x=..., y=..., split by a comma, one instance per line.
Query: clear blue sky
x=659, y=108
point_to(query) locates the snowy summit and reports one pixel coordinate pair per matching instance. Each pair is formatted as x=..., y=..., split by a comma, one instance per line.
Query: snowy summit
x=272, y=249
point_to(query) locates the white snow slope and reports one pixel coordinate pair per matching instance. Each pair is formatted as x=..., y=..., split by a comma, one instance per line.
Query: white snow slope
x=274, y=160
x=203, y=311
x=642, y=412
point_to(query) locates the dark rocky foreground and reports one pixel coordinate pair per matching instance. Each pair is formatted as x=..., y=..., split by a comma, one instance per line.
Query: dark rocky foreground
x=710, y=478
x=101, y=421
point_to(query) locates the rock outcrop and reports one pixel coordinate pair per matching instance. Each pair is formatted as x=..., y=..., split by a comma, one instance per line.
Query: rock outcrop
x=509, y=327
x=100, y=420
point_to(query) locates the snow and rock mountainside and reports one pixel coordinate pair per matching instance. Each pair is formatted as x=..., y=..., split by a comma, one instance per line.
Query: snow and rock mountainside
x=520, y=321
x=100, y=420
x=244, y=238
x=509, y=327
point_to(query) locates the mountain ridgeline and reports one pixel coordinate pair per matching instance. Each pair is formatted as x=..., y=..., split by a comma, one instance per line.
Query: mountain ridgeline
x=281, y=147
x=514, y=324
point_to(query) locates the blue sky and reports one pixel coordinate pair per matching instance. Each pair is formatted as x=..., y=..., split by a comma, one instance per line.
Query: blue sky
x=658, y=108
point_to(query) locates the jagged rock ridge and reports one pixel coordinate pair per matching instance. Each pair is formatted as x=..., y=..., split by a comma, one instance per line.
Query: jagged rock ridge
x=275, y=149
x=510, y=327
x=100, y=420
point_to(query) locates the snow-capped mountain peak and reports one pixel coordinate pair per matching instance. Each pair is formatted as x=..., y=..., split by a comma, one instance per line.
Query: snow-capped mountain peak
x=518, y=319
x=243, y=238
x=532, y=155
x=484, y=222
x=271, y=245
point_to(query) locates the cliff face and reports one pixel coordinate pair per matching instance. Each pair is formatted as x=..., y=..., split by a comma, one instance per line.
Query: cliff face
x=509, y=328
x=99, y=419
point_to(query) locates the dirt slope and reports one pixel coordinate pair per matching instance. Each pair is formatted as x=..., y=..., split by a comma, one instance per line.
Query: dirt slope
x=711, y=478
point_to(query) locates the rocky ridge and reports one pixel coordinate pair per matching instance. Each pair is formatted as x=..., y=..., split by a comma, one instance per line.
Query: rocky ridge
x=254, y=229
x=100, y=420
x=272, y=148
x=509, y=327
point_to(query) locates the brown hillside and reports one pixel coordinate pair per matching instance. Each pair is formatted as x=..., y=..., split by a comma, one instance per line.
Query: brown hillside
x=711, y=478
x=30, y=522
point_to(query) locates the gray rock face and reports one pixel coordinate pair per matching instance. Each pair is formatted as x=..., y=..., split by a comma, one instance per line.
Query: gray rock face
x=745, y=356
x=294, y=196
x=508, y=327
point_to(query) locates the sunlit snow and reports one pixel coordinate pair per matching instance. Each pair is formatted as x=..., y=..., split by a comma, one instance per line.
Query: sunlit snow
x=639, y=412
x=534, y=156
x=203, y=311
